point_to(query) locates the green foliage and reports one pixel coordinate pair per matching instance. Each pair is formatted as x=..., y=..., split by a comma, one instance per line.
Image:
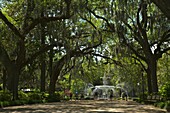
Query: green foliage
x=167, y=104
x=18, y=102
x=44, y=96
x=35, y=96
x=5, y=96
x=143, y=96
x=165, y=90
x=4, y=103
x=22, y=96
x=160, y=104
x=56, y=97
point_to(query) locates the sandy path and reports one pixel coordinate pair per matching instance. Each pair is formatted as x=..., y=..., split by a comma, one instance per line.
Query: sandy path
x=85, y=106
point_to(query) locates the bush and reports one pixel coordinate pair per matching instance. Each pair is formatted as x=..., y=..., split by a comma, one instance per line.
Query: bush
x=35, y=96
x=22, y=96
x=44, y=96
x=165, y=90
x=56, y=97
x=5, y=96
x=143, y=96
x=160, y=104
x=4, y=103
x=18, y=102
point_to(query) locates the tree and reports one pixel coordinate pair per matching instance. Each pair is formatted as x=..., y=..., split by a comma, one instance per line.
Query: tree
x=137, y=29
x=148, y=47
x=77, y=52
x=163, y=5
x=93, y=31
x=20, y=31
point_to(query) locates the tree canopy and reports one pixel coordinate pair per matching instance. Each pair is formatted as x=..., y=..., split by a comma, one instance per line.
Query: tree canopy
x=44, y=41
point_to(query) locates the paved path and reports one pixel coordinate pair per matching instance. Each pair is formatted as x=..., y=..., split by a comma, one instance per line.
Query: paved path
x=85, y=106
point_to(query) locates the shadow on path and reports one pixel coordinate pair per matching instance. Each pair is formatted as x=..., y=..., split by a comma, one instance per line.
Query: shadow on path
x=85, y=106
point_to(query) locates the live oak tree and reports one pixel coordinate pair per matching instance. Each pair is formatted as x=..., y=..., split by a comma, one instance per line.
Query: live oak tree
x=34, y=20
x=136, y=24
x=21, y=31
x=76, y=43
x=151, y=41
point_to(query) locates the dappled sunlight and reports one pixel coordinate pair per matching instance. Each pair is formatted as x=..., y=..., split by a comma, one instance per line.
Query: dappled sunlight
x=86, y=106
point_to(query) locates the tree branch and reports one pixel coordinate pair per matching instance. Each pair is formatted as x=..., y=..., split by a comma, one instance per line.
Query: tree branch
x=140, y=63
x=38, y=53
x=130, y=47
x=90, y=22
x=10, y=25
x=106, y=57
x=37, y=21
x=100, y=17
x=163, y=5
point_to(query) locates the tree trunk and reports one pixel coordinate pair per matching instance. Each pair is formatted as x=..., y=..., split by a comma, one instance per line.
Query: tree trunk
x=56, y=72
x=58, y=67
x=43, y=66
x=50, y=63
x=54, y=77
x=15, y=85
x=52, y=82
x=4, y=79
x=149, y=82
x=52, y=85
x=153, y=70
x=42, y=76
x=152, y=75
x=13, y=79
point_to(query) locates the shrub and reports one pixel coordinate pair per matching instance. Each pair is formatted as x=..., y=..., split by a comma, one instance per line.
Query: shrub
x=44, y=96
x=143, y=96
x=165, y=90
x=56, y=97
x=4, y=103
x=160, y=104
x=34, y=96
x=5, y=96
x=18, y=102
x=23, y=96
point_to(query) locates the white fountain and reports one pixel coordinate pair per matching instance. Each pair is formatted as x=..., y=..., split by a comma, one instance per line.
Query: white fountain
x=103, y=91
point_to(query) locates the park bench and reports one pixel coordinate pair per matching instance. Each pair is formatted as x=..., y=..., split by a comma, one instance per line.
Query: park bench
x=153, y=98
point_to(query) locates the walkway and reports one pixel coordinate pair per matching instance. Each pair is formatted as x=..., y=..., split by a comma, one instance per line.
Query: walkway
x=85, y=106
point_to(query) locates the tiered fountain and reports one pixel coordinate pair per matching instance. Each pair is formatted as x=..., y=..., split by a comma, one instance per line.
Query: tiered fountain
x=103, y=91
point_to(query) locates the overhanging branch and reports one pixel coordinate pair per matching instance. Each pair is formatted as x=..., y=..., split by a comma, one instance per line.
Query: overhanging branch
x=37, y=21
x=100, y=17
x=10, y=25
x=38, y=53
x=108, y=58
x=90, y=22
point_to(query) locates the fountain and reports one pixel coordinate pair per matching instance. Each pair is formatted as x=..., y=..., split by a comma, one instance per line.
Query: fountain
x=104, y=91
